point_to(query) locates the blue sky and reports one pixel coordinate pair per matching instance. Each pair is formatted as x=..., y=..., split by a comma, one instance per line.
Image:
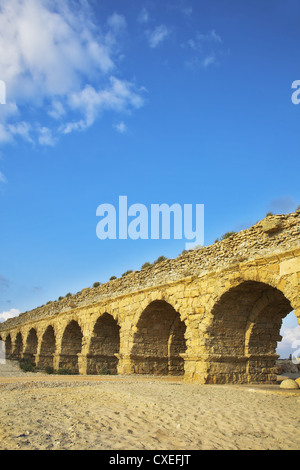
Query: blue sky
x=180, y=101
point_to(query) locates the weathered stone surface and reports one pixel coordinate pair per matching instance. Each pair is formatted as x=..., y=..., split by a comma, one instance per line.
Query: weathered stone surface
x=270, y=225
x=289, y=384
x=289, y=266
x=213, y=314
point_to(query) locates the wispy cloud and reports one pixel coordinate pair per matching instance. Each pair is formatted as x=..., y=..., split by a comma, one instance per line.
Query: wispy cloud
x=54, y=60
x=209, y=60
x=206, y=50
x=143, y=16
x=121, y=127
x=283, y=204
x=2, y=178
x=211, y=37
x=157, y=36
x=187, y=11
x=89, y=103
x=117, y=23
x=46, y=137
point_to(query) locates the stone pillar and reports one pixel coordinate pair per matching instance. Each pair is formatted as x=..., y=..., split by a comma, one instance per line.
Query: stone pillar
x=262, y=368
x=125, y=364
x=82, y=364
x=195, y=369
x=56, y=359
x=215, y=369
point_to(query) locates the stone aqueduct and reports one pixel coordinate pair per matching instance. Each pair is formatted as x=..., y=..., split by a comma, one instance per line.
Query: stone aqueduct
x=212, y=314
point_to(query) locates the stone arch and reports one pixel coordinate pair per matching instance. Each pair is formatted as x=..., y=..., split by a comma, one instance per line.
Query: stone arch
x=71, y=345
x=159, y=341
x=228, y=280
x=31, y=345
x=18, y=348
x=243, y=333
x=48, y=348
x=104, y=346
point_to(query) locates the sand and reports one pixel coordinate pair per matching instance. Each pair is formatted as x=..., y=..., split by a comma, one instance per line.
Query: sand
x=41, y=412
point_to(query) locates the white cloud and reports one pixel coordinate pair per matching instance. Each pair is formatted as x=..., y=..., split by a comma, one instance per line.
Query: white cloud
x=290, y=336
x=57, y=110
x=5, y=135
x=13, y=312
x=46, y=137
x=119, y=96
x=157, y=36
x=143, y=16
x=20, y=129
x=69, y=127
x=206, y=48
x=117, y=22
x=55, y=60
x=209, y=60
x=211, y=36
x=2, y=178
x=121, y=127
x=47, y=47
x=201, y=41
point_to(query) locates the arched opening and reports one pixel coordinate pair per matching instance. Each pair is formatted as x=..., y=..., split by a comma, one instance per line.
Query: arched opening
x=288, y=347
x=104, y=345
x=48, y=347
x=70, y=347
x=17, y=353
x=8, y=347
x=31, y=346
x=244, y=333
x=159, y=342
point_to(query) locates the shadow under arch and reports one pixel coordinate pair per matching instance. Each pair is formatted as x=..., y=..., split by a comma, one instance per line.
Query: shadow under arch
x=31, y=345
x=18, y=349
x=243, y=335
x=8, y=347
x=71, y=345
x=48, y=348
x=159, y=342
x=104, y=346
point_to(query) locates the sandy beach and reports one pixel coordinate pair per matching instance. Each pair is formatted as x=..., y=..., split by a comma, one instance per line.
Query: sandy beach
x=41, y=412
